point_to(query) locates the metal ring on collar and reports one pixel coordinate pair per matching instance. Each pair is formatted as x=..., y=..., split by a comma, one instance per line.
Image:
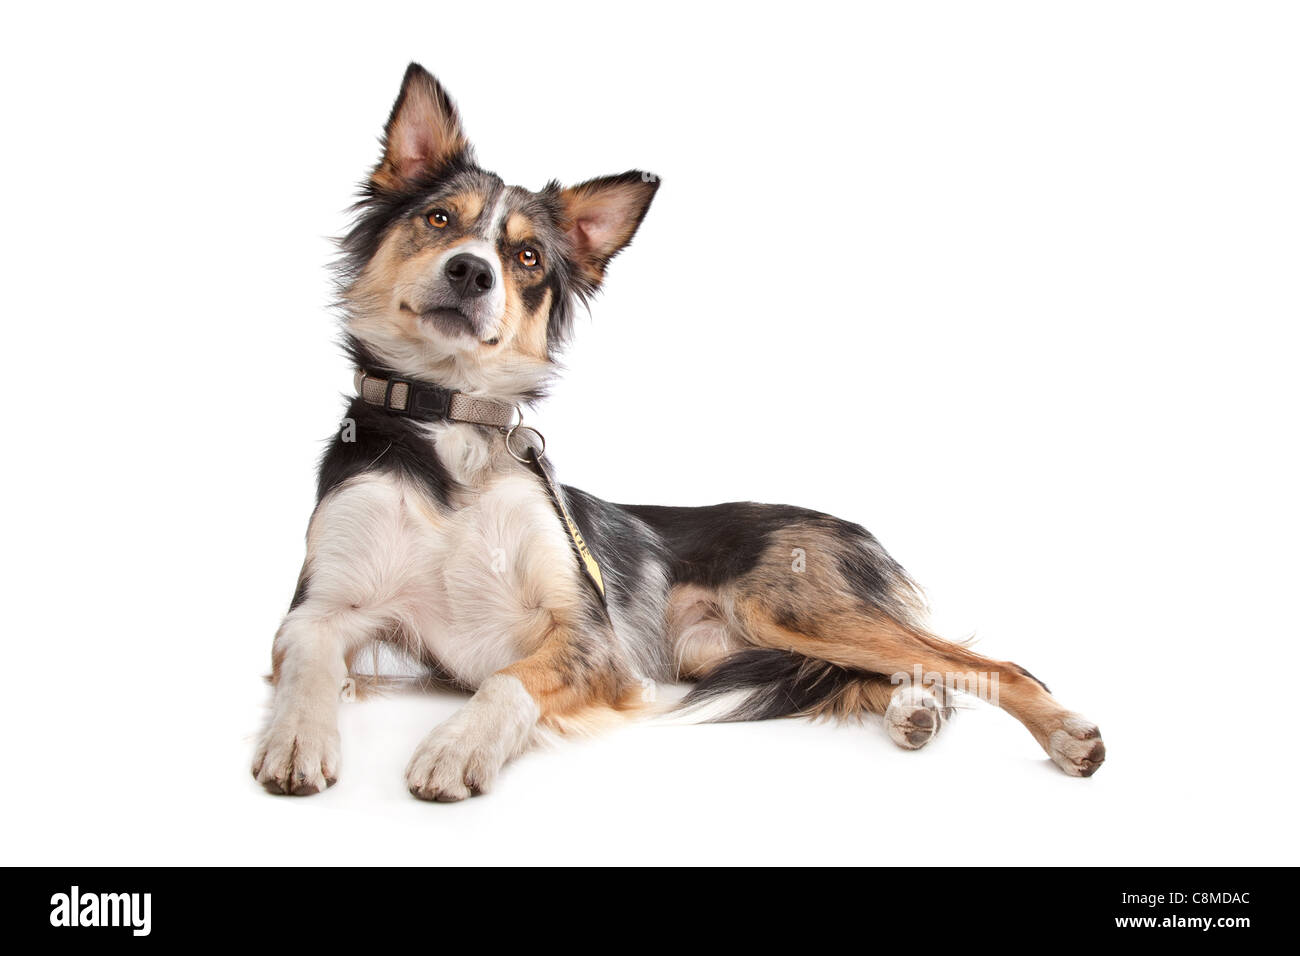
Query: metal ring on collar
x=528, y=428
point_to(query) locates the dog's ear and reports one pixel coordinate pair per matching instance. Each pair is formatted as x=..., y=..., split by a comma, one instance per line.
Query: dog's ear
x=602, y=215
x=423, y=132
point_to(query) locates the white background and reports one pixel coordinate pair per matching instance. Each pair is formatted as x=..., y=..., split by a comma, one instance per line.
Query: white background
x=1013, y=284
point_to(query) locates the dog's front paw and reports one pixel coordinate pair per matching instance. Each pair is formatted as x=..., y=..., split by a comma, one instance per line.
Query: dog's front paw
x=297, y=758
x=453, y=763
x=462, y=756
x=914, y=715
x=1076, y=746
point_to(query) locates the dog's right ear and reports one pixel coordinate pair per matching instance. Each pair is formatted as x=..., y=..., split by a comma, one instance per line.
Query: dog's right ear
x=423, y=132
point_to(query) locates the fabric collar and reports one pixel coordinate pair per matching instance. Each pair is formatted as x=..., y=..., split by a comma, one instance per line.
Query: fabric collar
x=426, y=402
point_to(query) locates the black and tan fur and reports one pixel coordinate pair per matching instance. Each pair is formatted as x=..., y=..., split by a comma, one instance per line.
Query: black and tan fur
x=433, y=538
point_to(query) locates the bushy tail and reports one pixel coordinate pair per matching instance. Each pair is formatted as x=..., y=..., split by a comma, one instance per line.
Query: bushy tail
x=763, y=683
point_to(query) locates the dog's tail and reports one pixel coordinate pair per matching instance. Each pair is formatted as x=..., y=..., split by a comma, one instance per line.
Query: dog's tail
x=764, y=683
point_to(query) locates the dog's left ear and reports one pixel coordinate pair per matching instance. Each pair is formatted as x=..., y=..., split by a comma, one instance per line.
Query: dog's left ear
x=602, y=215
x=423, y=132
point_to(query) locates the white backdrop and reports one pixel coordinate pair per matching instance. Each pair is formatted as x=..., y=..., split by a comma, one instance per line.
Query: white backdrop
x=1012, y=284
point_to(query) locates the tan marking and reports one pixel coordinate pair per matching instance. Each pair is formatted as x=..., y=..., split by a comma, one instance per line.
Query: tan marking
x=869, y=694
x=532, y=338
x=467, y=206
x=562, y=683
x=519, y=228
x=523, y=333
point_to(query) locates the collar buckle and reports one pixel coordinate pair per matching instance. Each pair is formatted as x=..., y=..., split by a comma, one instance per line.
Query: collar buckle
x=427, y=402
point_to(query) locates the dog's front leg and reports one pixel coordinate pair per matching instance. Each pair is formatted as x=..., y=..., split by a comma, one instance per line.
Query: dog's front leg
x=570, y=671
x=298, y=752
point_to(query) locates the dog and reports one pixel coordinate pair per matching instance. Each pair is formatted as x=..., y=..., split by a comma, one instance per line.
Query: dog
x=439, y=527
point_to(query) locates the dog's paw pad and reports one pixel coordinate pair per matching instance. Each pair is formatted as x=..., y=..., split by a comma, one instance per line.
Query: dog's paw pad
x=913, y=717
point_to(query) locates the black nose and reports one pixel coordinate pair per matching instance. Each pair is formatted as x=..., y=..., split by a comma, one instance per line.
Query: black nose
x=469, y=275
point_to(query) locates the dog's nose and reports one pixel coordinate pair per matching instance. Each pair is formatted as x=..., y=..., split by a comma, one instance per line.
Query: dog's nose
x=469, y=275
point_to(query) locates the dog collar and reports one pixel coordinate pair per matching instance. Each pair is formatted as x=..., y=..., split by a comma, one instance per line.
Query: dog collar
x=433, y=403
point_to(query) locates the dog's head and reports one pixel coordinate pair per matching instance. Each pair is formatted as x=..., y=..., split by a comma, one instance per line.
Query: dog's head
x=452, y=276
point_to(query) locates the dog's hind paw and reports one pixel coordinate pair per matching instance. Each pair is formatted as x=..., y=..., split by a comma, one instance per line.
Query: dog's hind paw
x=914, y=716
x=1076, y=746
x=297, y=760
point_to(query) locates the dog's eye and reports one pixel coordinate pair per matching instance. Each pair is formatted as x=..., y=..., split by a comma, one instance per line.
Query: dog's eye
x=438, y=219
x=529, y=257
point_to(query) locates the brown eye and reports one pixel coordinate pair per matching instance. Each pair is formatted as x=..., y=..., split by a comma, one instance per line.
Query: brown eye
x=438, y=219
x=528, y=257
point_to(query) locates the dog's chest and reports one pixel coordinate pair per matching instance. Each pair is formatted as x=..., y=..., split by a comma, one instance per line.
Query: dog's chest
x=477, y=585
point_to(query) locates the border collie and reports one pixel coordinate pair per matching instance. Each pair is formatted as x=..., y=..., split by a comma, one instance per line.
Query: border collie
x=439, y=527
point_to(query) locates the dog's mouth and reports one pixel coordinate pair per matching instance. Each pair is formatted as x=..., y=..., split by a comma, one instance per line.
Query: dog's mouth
x=449, y=321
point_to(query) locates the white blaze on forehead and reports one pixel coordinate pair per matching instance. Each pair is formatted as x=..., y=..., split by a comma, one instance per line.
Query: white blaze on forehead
x=497, y=218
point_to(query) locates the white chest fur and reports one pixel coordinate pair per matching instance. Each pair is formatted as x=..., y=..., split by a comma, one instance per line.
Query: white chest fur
x=477, y=584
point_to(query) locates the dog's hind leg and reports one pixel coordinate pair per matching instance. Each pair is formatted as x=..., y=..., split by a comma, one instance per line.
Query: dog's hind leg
x=886, y=646
x=843, y=601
